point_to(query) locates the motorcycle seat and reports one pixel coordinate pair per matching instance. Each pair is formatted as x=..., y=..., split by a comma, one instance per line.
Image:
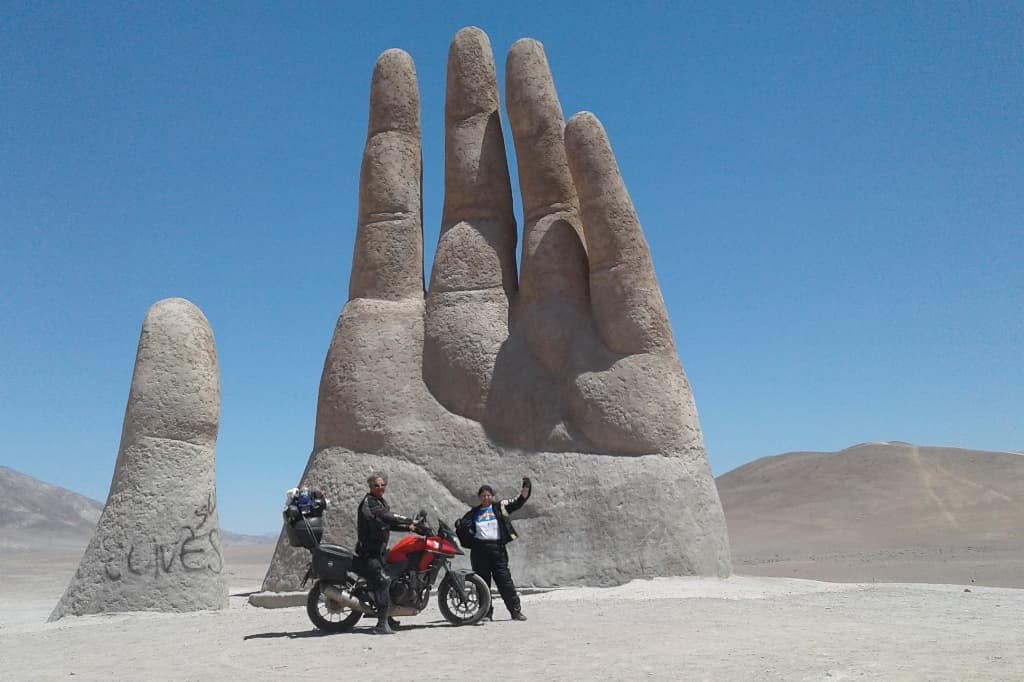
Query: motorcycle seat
x=336, y=552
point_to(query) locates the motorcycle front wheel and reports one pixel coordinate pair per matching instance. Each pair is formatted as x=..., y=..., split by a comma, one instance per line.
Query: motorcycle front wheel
x=469, y=612
x=328, y=615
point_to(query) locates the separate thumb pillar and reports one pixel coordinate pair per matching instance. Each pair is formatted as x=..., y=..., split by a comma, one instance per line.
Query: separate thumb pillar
x=157, y=544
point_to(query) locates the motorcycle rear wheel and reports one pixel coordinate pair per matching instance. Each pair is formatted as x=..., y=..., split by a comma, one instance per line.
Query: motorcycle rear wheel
x=470, y=612
x=327, y=615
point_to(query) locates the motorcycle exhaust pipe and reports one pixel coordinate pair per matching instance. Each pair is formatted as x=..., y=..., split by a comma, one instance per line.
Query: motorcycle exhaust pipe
x=340, y=596
x=336, y=594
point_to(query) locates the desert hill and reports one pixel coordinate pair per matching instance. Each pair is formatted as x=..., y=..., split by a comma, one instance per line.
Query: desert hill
x=34, y=511
x=879, y=511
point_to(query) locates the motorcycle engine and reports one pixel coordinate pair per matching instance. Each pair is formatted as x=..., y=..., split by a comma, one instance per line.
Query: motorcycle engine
x=402, y=593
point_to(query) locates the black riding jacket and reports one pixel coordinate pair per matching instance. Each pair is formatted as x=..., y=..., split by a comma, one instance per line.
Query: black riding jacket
x=375, y=521
x=502, y=509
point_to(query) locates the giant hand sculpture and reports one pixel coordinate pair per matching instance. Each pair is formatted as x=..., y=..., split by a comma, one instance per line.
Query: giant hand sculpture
x=569, y=374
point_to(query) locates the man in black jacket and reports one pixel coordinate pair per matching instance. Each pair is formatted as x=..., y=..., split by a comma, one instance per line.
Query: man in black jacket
x=488, y=528
x=375, y=521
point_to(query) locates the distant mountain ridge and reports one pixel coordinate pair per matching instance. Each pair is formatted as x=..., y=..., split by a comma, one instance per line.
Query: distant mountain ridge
x=879, y=503
x=34, y=511
x=876, y=495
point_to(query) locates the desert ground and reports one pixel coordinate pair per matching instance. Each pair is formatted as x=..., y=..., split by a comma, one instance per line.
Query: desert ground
x=740, y=628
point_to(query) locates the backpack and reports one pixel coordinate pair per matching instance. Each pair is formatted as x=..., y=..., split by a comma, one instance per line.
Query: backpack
x=464, y=531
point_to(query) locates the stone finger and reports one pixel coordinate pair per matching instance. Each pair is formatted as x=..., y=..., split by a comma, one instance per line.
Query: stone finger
x=388, y=258
x=625, y=298
x=474, y=273
x=554, y=257
x=175, y=391
x=476, y=249
x=156, y=546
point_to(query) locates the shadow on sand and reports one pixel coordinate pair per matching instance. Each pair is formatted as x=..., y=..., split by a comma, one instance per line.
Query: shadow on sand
x=362, y=630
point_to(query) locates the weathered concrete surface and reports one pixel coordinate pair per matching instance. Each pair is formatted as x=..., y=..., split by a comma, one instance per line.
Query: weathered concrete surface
x=566, y=372
x=157, y=543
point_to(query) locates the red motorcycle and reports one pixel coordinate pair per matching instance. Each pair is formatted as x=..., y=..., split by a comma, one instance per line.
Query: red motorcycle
x=339, y=596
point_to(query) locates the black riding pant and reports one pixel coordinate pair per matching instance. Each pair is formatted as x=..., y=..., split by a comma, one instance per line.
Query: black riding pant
x=372, y=568
x=490, y=560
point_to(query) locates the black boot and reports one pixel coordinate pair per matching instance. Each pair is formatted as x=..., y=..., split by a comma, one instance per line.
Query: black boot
x=393, y=623
x=518, y=615
x=383, y=603
x=382, y=627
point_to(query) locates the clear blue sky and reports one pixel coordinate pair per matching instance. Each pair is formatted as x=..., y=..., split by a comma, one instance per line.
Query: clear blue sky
x=833, y=194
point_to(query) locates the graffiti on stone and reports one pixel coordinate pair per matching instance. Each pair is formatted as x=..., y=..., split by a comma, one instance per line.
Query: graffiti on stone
x=196, y=547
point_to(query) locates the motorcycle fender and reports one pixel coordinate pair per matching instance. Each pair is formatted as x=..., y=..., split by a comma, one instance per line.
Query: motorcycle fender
x=458, y=580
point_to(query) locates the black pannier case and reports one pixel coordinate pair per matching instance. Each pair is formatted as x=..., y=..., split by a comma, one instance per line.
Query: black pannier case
x=332, y=561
